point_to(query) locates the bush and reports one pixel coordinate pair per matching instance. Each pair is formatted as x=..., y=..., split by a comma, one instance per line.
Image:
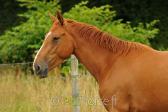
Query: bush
x=20, y=43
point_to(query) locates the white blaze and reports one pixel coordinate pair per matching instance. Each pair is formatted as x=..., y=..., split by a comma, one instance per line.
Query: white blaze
x=47, y=35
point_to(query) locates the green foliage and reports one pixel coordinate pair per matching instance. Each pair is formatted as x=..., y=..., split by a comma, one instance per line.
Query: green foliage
x=19, y=43
x=104, y=18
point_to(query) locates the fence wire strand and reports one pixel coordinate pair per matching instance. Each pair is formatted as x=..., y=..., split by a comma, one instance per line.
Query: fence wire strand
x=10, y=64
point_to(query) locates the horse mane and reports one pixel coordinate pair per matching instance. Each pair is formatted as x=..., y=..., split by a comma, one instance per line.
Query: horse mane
x=103, y=39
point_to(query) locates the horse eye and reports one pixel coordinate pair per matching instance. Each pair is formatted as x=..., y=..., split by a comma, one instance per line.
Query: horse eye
x=56, y=39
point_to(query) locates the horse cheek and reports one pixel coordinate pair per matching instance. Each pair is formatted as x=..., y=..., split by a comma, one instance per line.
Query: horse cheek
x=65, y=51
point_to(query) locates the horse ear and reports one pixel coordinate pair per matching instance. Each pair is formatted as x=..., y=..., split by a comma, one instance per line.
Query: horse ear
x=60, y=18
x=53, y=18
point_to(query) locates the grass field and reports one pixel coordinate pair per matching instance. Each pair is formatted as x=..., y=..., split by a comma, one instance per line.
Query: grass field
x=27, y=93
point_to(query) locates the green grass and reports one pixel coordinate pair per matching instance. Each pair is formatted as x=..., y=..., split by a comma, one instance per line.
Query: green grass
x=28, y=93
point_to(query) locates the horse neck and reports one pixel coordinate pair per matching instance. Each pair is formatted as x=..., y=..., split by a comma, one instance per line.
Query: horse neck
x=92, y=57
x=97, y=59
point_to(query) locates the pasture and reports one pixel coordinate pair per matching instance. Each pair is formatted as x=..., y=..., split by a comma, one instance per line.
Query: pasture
x=28, y=93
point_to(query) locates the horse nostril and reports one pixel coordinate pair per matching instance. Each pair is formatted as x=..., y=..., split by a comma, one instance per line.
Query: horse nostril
x=37, y=68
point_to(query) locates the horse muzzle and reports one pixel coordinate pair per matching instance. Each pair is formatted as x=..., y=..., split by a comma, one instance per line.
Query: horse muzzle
x=41, y=70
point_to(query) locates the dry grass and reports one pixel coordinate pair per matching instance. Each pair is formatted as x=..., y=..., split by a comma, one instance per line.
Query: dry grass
x=53, y=94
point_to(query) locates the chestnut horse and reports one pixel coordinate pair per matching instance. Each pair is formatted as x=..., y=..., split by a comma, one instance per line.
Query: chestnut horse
x=132, y=77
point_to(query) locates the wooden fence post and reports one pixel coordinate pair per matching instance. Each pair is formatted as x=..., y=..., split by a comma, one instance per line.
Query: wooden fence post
x=75, y=86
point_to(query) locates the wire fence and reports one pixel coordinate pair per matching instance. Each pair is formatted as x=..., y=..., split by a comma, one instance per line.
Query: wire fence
x=16, y=69
x=12, y=64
